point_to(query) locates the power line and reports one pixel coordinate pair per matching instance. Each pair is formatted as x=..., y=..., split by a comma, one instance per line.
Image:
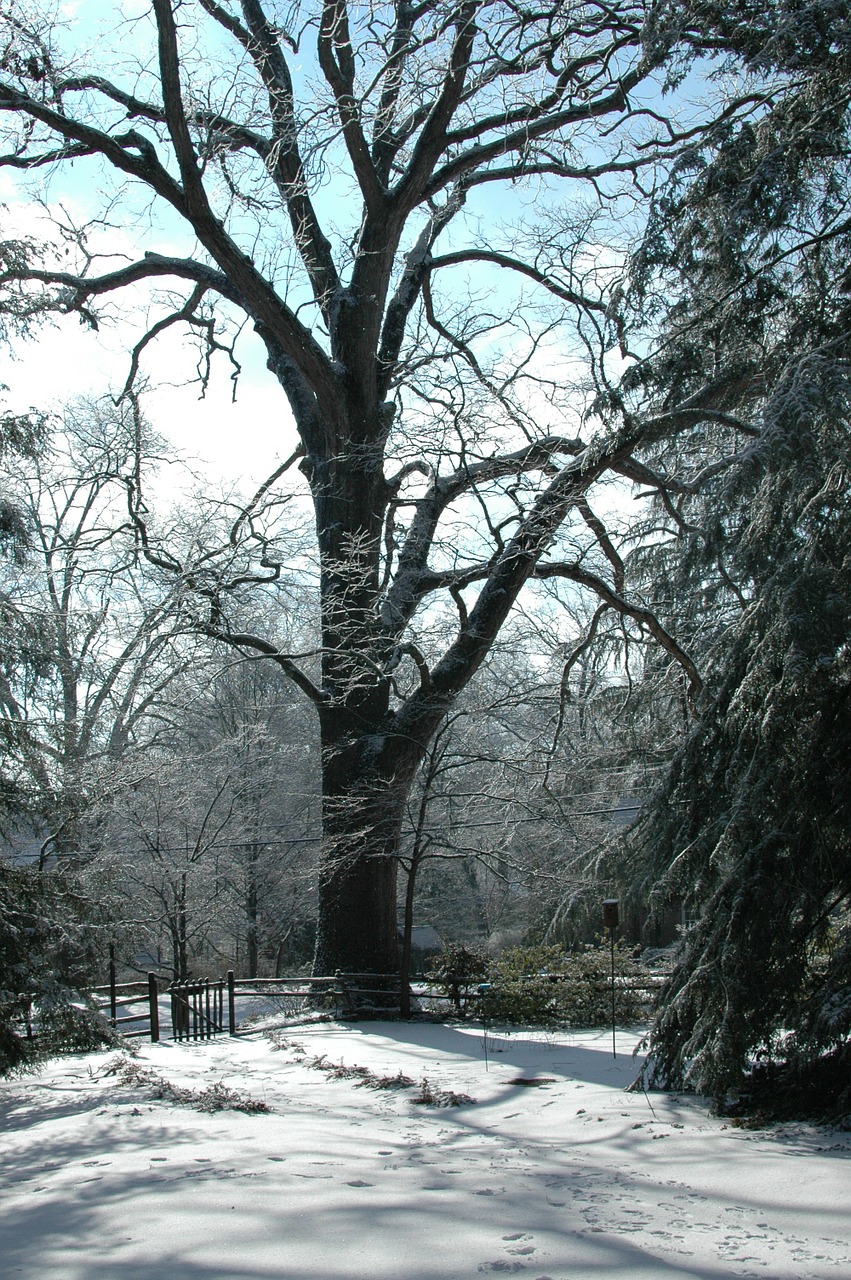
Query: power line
x=464, y=826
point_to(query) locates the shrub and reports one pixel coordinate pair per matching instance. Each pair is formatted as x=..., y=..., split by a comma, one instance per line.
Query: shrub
x=457, y=971
x=47, y=951
x=587, y=998
x=542, y=986
x=524, y=985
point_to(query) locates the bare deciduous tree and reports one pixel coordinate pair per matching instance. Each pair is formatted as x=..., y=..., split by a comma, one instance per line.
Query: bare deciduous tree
x=419, y=208
x=89, y=650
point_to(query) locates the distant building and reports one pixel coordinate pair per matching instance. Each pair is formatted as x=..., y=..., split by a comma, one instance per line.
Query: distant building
x=426, y=943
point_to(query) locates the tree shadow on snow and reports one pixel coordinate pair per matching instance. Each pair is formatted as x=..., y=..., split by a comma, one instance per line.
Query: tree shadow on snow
x=517, y=1053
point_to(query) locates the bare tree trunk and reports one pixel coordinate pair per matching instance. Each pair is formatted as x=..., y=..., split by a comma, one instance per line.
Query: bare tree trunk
x=407, y=933
x=357, y=915
x=357, y=928
x=181, y=959
x=363, y=791
x=252, y=912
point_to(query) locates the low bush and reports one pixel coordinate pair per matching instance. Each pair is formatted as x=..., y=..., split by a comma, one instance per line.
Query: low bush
x=544, y=987
x=795, y=1089
x=457, y=972
x=524, y=986
x=47, y=952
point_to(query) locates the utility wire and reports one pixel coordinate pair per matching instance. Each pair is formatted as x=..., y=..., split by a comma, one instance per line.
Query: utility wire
x=467, y=826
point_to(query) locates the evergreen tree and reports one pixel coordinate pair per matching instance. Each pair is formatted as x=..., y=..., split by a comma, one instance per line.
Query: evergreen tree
x=48, y=949
x=746, y=261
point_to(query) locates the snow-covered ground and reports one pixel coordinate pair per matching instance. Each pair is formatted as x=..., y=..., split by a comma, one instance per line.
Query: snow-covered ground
x=571, y=1179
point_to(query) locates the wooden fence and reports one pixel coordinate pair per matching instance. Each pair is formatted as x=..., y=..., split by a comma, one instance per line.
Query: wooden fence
x=115, y=996
x=197, y=1009
x=202, y=1008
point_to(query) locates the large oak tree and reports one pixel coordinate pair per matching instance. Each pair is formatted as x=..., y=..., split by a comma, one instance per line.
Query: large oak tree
x=420, y=208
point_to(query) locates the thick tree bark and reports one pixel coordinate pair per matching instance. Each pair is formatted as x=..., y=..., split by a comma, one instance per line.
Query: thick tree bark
x=407, y=934
x=361, y=814
x=363, y=805
x=357, y=914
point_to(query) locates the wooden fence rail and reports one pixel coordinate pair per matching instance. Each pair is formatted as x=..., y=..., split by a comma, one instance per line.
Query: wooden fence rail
x=116, y=995
x=201, y=1009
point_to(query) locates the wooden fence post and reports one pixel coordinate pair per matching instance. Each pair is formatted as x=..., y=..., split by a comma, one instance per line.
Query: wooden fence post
x=231, y=1003
x=113, y=1003
x=154, y=1008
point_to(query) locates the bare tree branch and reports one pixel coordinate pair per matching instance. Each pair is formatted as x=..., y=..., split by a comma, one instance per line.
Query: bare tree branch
x=640, y=614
